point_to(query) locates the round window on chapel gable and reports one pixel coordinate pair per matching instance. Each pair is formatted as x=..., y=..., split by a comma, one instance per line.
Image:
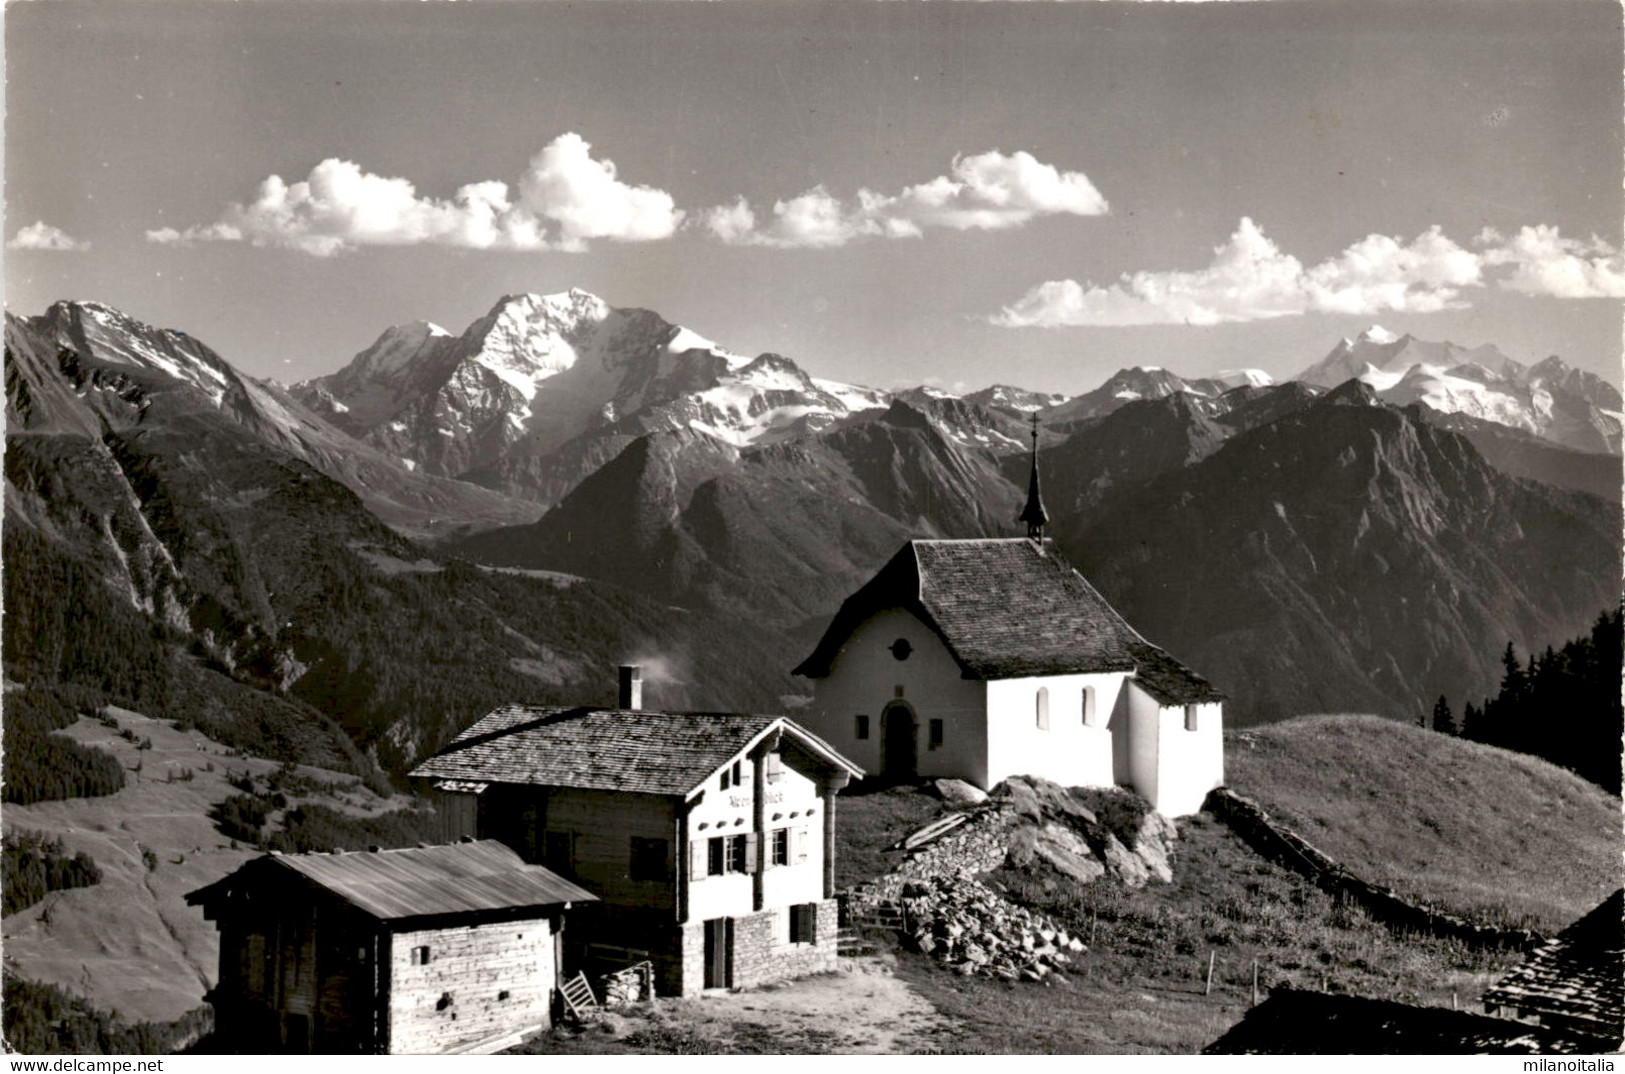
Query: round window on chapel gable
x=901, y=648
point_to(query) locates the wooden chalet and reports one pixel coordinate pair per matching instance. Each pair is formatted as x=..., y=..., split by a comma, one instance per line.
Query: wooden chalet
x=429, y=950
x=709, y=838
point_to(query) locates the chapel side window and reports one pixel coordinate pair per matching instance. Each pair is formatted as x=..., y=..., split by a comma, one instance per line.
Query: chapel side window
x=1089, y=717
x=1042, y=706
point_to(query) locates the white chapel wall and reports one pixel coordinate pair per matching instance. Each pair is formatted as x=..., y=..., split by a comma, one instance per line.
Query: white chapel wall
x=1068, y=751
x=1190, y=762
x=1143, y=726
x=864, y=678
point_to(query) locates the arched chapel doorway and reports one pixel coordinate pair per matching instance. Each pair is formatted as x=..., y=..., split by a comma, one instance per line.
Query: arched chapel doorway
x=899, y=742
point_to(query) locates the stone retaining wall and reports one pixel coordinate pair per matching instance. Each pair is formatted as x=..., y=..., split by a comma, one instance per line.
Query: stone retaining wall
x=1281, y=844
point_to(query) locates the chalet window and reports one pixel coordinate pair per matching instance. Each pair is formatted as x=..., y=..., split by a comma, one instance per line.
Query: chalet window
x=559, y=851
x=1190, y=717
x=649, y=859
x=1043, y=708
x=731, y=854
x=935, y=734
x=1089, y=706
x=804, y=923
x=727, y=779
x=420, y=956
x=781, y=846
x=862, y=730
x=774, y=767
x=716, y=855
x=733, y=776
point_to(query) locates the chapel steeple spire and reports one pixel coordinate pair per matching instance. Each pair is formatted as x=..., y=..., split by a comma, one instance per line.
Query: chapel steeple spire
x=1034, y=514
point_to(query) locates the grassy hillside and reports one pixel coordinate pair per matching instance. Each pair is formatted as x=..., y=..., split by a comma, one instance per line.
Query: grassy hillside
x=1499, y=836
x=129, y=944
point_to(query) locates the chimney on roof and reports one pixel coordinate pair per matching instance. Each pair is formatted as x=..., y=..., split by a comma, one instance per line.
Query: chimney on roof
x=631, y=692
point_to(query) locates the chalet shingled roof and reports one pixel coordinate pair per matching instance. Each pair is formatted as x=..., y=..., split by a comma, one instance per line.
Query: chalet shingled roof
x=1578, y=976
x=608, y=749
x=1008, y=608
x=1300, y=1022
x=458, y=878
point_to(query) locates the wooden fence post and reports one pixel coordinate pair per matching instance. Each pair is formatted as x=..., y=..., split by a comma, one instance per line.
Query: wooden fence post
x=1211, y=956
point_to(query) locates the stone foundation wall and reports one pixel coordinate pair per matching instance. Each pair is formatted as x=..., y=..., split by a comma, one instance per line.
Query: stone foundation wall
x=762, y=953
x=1281, y=844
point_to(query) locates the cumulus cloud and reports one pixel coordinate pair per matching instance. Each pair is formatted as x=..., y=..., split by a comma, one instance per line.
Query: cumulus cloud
x=42, y=236
x=987, y=191
x=1250, y=279
x=1545, y=263
x=565, y=198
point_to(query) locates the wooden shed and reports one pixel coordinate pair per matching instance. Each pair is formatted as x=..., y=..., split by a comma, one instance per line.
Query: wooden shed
x=429, y=950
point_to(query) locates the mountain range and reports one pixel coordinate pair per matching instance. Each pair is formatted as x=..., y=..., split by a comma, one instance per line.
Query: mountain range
x=543, y=390
x=1551, y=399
x=451, y=521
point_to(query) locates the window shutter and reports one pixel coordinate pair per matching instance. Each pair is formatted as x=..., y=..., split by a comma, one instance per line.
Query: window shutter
x=799, y=836
x=806, y=922
x=753, y=852
x=696, y=860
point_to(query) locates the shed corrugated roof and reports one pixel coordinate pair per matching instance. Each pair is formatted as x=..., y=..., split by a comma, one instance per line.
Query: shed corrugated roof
x=1008, y=608
x=459, y=878
x=607, y=749
x=1579, y=974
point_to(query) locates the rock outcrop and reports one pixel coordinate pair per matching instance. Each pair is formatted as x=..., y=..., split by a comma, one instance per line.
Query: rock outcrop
x=936, y=898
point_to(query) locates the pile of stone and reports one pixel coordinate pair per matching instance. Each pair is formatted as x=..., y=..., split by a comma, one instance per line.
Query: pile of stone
x=975, y=930
x=942, y=908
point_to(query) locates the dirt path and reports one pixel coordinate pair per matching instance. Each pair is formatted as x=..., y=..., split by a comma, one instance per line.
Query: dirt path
x=863, y=1008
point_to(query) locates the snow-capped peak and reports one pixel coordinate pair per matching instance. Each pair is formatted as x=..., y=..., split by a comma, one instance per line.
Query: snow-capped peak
x=1377, y=334
x=1251, y=378
x=111, y=335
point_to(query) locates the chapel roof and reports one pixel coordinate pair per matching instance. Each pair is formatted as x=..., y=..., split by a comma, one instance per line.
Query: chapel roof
x=1008, y=608
x=610, y=749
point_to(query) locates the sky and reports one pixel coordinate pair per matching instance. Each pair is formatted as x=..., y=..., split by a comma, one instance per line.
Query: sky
x=891, y=194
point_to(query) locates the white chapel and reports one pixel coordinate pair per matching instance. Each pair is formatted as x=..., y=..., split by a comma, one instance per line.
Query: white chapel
x=984, y=659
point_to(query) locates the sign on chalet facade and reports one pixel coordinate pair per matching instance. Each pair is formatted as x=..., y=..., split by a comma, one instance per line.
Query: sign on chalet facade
x=709, y=838
x=428, y=950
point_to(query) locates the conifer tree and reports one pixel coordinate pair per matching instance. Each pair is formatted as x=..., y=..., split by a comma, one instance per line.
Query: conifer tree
x=1444, y=721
